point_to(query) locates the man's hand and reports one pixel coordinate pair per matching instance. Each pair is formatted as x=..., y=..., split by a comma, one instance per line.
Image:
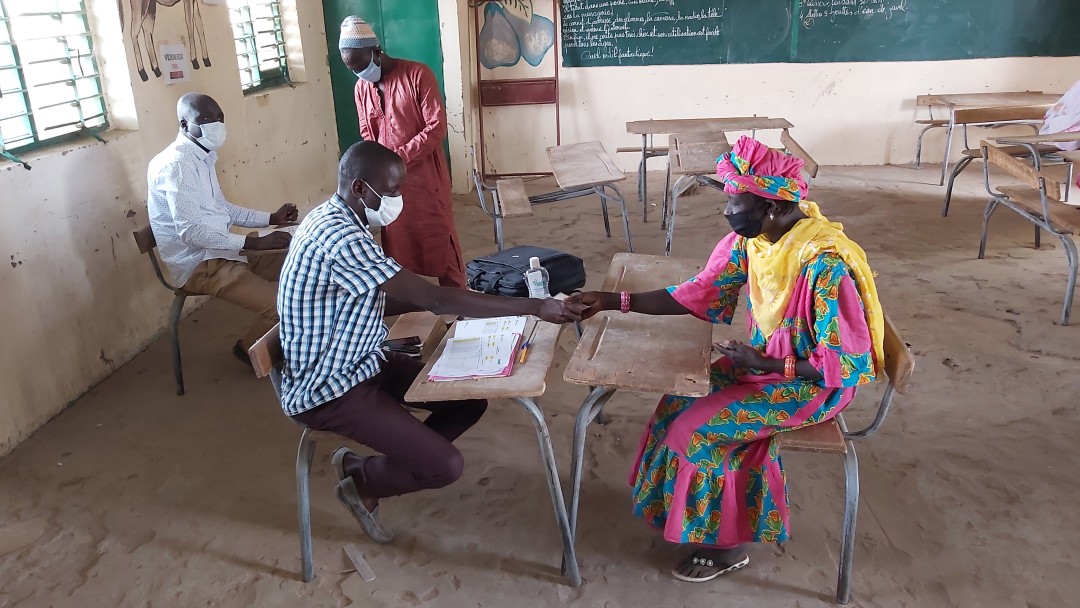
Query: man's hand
x=274, y=240
x=591, y=301
x=560, y=311
x=286, y=214
x=741, y=355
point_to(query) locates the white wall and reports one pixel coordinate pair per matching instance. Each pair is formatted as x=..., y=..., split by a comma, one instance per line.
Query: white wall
x=844, y=113
x=78, y=298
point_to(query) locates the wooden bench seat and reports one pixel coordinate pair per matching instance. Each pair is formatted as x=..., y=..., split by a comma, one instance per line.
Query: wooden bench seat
x=938, y=122
x=824, y=438
x=1065, y=217
x=1014, y=150
x=513, y=201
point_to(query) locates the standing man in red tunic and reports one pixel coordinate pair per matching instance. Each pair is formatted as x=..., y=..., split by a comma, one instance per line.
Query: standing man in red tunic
x=400, y=107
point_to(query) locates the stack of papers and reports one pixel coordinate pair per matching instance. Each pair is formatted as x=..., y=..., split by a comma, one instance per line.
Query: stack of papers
x=481, y=348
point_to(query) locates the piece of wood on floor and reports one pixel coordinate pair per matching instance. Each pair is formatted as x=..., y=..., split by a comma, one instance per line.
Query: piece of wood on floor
x=358, y=561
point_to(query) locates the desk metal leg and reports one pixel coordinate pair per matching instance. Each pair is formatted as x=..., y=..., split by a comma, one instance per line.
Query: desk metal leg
x=589, y=410
x=667, y=194
x=615, y=195
x=643, y=188
x=681, y=185
x=948, y=151
x=543, y=436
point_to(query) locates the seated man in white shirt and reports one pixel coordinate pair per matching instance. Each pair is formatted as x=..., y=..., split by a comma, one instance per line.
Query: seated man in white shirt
x=191, y=219
x=336, y=287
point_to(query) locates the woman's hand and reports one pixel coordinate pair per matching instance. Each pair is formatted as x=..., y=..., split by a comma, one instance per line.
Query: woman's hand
x=742, y=355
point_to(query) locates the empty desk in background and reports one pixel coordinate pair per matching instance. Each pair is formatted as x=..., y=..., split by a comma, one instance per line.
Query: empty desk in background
x=953, y=101
x=648, y=128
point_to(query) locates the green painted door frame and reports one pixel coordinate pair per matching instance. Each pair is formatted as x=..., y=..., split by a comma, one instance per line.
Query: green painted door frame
x=406, y=28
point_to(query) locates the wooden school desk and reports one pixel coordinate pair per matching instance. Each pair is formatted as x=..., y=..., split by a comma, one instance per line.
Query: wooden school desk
x=692, y=157
x=523, y=386
x=581, y=169
x=648, y=354
x=953, y=101
x=648, y=128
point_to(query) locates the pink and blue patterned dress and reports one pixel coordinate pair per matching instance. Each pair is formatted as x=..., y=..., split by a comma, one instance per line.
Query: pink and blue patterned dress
x=709, y=471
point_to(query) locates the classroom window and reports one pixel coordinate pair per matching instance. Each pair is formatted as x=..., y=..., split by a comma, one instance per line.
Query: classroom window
x=260, y=43
x=50, y=87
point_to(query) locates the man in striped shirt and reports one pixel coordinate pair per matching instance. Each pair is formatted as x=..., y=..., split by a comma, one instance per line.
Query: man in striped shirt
x=336, y=286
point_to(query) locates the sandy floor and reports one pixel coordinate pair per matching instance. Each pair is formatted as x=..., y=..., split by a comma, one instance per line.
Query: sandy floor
x=136, y=497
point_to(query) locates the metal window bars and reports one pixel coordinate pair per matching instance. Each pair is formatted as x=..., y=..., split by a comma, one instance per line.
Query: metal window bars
x=260, y=43
x=50, y=87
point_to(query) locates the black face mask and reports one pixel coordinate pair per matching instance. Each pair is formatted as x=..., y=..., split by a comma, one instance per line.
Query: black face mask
x=745, y=224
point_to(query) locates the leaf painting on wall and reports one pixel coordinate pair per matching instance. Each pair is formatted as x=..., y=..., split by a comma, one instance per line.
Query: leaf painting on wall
x=512, y=31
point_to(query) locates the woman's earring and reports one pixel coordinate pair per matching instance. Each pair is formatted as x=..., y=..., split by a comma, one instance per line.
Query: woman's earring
x=772, y=216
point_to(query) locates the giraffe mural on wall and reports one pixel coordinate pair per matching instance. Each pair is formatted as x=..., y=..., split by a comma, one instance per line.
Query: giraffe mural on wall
x=141, y=31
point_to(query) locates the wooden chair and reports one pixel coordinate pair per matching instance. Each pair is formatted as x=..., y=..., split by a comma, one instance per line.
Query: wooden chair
x=268, y=360
x=144, y=238
x=1026, y=115
x=1039, y=200
x=833, y=437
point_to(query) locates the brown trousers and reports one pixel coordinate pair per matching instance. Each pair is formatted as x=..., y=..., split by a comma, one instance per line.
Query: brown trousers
x=251, y=286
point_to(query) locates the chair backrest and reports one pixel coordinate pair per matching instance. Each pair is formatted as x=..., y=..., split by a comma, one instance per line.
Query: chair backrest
x=144, y=238
x=147, y=243
x=1027, y=174
x=1000, y=114
x=266, y=354
x=796, y=150
x=899, y=362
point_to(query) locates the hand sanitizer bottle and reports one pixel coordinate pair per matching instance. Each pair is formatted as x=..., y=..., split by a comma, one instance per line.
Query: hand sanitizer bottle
x=536, y=279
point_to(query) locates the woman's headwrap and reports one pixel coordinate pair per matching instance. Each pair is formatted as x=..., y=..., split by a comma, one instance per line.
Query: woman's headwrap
x=751, y=166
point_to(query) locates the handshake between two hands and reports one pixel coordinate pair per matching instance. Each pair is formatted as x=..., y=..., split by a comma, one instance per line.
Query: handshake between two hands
x=577, y=307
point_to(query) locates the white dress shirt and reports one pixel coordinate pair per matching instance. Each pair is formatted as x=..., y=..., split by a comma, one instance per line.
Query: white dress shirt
x=188, y=213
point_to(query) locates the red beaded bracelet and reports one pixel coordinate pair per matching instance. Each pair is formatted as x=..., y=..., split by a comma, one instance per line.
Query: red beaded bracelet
x=789, y=367
x=624, y=302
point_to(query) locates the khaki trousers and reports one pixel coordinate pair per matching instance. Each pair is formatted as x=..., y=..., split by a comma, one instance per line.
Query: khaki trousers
x=251, y=285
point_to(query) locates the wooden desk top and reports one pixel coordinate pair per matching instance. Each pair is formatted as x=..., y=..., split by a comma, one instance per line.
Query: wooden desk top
x=968, y=100
x=428, y=326
x=1037, y=139
x=582, y=165
x=528, y=379
x=254, y=253
x=686, y=125
x=696, y=153
x=661, y=354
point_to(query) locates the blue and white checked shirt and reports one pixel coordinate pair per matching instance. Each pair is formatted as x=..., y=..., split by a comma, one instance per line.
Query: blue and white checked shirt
x=331, y=307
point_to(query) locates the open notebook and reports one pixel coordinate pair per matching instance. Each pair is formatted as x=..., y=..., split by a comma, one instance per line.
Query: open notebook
x=480, y=348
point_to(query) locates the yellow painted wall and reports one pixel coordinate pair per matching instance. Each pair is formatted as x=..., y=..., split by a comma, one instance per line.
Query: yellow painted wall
x=78, y=300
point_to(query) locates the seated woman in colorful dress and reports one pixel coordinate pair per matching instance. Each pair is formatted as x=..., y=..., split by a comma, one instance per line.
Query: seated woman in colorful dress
x=708, y=473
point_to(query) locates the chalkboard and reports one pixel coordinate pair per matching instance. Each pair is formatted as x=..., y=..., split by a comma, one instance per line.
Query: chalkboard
x=667, y=32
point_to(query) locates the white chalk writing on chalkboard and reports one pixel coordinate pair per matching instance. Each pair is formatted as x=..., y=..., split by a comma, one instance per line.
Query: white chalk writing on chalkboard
x=608, y=30
x=834, y=11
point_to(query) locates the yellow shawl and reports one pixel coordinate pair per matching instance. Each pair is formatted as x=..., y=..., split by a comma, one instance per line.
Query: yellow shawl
x=773, y=269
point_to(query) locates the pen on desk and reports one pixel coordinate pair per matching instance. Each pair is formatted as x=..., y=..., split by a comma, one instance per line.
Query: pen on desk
x=527, y=342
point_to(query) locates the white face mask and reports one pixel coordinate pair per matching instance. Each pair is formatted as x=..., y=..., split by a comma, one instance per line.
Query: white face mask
x=372, y=73
x=213, y=135
x=389, y=209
